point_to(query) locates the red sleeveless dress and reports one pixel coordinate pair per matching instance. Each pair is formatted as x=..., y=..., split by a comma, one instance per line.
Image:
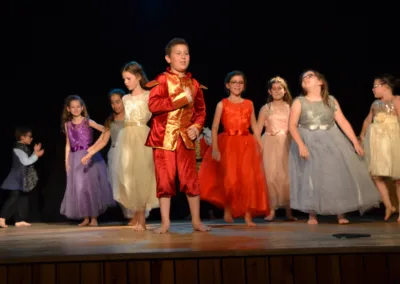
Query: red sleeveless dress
x=237, y=180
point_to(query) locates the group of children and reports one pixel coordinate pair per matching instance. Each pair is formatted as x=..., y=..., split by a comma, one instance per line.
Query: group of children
x=302, y=161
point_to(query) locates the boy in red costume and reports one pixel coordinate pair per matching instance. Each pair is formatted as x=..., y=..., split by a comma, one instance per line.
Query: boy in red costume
x=177, y=103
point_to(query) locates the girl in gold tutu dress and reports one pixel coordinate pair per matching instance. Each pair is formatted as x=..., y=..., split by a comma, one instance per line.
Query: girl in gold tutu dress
x=134, y=180
x=381, y=139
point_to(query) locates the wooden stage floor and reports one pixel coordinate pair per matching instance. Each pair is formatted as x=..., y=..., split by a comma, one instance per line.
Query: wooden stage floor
x=276, y=252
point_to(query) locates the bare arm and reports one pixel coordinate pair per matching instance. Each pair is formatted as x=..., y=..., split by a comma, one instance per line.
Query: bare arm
x=294, y=117
x=397, y=106
x=344, y=124
x=96, y=126
x=254, y=127
x=101, y=142
x=214, y=129
x=366, y=123
x=261, y=119
x=67, y=147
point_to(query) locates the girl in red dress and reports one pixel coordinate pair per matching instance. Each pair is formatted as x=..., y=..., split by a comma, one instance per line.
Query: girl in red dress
x=231, y=175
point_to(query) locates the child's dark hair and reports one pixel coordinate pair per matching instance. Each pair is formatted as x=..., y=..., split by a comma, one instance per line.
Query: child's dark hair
x=172, y=43
x=233, y=74
x=21, y=131
x=66, y=115
x=136, y=69
x=324, y=88
x=390, y=81
x=111, y=118
x=287, y=97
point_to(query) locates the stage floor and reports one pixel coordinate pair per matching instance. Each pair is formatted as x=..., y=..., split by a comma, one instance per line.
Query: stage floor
x=64, y=242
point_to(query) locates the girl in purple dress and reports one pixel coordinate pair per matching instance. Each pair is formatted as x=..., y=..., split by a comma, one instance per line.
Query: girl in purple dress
x=88, y=192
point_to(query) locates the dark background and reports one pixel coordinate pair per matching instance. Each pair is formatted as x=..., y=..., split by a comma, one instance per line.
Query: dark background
x=52, y=50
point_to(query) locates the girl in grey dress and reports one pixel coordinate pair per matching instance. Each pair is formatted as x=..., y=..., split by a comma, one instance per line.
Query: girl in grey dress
x=113, y=125
x=326, y=175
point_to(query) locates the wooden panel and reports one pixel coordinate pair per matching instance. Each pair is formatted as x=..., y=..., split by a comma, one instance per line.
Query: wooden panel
x=352, y=269
x=304, y=269
x=394, y=271
x=281, y=270
x=44, y=274
x=257, y=270
x=233, y=271
x=92, y=273
x=115, y=272
x=68, y=273
x=210, y=271
x=376, y=269
x=19, y=274
x=162, y=272
x=139, y=272
x=328, y=269
x=3, y=274
x=186, y=272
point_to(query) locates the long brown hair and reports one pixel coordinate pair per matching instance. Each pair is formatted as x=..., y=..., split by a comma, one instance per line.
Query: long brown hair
x=287, y=97
x=136, y=69
x=111, y=118
x=66, y=115
x=324, y=88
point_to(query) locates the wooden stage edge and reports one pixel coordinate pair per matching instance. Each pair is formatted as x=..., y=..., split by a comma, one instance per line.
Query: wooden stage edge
x=276, y=252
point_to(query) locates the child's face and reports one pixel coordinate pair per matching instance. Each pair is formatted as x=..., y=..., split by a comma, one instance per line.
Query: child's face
x=116, y=104
x=27, y=138
x=75, y=108
x=310, y=80
x=130, y=80
x=277, y=91
x=179, y=58
x=379, y=88
x=236, y=85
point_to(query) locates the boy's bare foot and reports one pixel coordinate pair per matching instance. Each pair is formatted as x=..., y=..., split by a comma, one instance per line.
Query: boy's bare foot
x=22, y=224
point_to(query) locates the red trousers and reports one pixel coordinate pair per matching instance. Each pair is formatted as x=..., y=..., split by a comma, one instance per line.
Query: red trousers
x=169, y=163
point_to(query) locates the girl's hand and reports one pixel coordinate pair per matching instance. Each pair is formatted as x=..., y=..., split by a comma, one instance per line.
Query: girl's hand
x=304, y=152
x=359, y=149
x=85, y=160
x=216, y=155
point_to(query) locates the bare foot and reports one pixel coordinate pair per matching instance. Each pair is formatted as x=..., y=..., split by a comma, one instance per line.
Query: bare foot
x=132, y=221
x=22, y=224
x=3, y=223
x=84, y=223
x=398, y=219
x=343, y=221
x=312, y=221
x=93, y=222
x=249, y=221
x=164, y=228
x=271, y=216
x=139, y=227
x=389, y=212
x=201, y=227
x=228, y=216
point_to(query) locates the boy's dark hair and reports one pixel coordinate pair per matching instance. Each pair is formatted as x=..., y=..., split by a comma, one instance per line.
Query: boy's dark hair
x=172, y=43
x=21, y=131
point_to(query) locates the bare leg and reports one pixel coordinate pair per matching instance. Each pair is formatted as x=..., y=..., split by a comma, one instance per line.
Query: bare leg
x=380, y=184
x=3, y=223
x=398, y=196
x=249, y=220
x=312, y=219
x=85, y=222
x=289, y=214
x=194, y=204
x=93, y=222
x=342, y=219
x=141, y=221
x=228, y=215
x=271, y=215
x=165, y=205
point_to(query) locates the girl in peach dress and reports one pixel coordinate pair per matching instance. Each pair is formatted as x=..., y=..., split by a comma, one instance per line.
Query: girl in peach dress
x=231, y=175
x=274, y=116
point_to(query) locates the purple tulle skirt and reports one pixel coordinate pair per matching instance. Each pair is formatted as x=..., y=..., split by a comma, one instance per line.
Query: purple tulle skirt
x=88, y=192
